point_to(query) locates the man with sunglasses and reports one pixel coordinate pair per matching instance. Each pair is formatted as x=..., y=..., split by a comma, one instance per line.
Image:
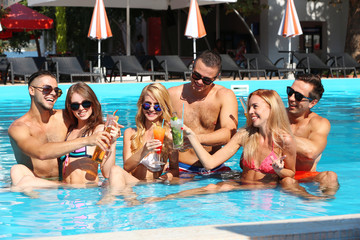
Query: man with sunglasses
x=310, y=131
x=38, y=137
x=210, y=110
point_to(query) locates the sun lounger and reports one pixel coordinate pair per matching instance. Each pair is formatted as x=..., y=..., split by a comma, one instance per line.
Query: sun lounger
x=172, y=64
x=70, y=66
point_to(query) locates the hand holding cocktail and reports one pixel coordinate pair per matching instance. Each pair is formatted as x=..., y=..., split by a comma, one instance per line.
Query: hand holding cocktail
x=111, y=126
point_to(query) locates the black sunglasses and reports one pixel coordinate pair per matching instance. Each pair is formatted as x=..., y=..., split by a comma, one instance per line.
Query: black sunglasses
x=147, y=106
x=76, y=106
x=197, y=76
x=47, y=89
x=298, y=96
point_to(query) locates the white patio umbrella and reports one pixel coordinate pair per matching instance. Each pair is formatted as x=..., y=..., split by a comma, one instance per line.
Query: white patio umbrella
x=290, y=26
x=99, y=28
x=145, y=4
x=195, y=26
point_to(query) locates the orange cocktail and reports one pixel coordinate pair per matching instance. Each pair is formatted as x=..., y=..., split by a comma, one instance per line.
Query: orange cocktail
x=159, y=133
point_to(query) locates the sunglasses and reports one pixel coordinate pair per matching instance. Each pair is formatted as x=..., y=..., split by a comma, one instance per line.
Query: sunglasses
x=47, y=89
x=147, y=106
x=197, y=76
x=76, y=106
x=298, y=96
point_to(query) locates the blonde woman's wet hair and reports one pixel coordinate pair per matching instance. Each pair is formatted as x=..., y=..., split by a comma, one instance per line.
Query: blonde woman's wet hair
x=160, y=93
x=277, y=124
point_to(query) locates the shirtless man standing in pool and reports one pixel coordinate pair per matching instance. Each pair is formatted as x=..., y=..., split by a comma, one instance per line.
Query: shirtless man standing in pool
x=38, y=137
x=211, y=111
x=310, y=130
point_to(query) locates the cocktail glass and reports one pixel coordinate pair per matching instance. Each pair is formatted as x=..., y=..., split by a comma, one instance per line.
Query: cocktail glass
x=159, y=133
x=99, y=154
x=177, y=133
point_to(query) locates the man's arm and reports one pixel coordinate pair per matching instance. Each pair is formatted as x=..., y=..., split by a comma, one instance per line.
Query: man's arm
x=228, y=118
x=31, y=146
x=315, y=144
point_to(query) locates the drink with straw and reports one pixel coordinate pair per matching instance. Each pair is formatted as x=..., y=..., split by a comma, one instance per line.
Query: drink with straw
x=177, y=133
x=159, y=133
x=99, y=154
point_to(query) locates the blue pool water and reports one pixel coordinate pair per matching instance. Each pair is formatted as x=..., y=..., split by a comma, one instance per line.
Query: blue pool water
x=74, y=211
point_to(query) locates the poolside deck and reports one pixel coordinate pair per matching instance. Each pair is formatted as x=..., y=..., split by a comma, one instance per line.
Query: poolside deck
x=344, y=227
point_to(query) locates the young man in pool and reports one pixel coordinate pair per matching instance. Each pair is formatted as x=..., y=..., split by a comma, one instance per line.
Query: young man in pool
x=209, y=109
x=38, y=137
x=310, y=130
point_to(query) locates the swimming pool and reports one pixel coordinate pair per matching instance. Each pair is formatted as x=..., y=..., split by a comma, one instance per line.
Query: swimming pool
x=74, y=211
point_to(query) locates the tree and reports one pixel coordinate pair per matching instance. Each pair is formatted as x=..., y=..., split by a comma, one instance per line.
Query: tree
x=352, y=42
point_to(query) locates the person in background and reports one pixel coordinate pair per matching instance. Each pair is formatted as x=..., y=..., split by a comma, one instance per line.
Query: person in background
x=310, y=131
x=219, y=48
x=210, y=110
x=240, y=51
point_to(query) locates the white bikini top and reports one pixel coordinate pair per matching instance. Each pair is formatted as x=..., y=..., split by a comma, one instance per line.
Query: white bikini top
x=149, y=162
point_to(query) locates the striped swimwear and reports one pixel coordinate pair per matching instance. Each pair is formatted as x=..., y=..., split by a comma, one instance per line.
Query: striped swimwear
x=185, y=168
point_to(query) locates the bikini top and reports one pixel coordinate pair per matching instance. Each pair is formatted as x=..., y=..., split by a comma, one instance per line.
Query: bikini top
x=81, y=152
x=266, y=164
x=149, y=162
x=63, y=161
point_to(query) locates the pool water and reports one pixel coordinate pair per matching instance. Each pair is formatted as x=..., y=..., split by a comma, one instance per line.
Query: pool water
x=75, y=211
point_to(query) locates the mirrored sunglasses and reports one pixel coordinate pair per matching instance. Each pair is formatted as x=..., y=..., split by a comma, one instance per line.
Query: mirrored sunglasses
x=147, y=106
x=76, y=106
x=47, y=89
x=197, y=76
x=298, y=96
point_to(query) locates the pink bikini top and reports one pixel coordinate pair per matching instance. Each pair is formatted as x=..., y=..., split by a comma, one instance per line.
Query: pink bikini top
x=266, y=164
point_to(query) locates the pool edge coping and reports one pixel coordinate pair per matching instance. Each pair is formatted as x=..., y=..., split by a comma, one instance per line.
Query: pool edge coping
x=332, y=226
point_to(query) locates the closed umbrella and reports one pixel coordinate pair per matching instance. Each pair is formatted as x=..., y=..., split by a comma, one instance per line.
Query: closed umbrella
x=290, y=26
x=99, y=27
x=194, y=26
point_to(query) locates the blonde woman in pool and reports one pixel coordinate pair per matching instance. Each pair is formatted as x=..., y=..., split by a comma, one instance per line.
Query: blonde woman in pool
x=154, y=109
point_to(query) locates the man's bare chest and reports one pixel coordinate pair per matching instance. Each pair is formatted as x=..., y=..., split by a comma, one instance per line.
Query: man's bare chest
x=202, y=116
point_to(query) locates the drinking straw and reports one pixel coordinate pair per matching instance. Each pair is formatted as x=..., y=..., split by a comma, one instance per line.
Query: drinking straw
x=163, y=123
x=242, y=100
x=182, y=119
x=115, y=111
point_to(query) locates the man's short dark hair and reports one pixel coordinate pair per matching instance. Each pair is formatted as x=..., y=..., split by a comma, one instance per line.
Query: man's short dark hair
x=315, y=81
x=40, y=74
x=210, y=59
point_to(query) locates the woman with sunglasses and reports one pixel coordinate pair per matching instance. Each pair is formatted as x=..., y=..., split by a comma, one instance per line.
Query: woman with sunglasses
x=83, y=110
x=269, y=149
x=154, y=109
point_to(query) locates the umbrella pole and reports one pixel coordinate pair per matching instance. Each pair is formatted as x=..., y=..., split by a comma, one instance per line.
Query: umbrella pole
x=194, y=47
x=128, y=28
x=99, y=60
x=289, y=51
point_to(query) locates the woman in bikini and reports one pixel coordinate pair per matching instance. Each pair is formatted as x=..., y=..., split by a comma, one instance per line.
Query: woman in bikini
x=83, y=110
x=154, y=109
